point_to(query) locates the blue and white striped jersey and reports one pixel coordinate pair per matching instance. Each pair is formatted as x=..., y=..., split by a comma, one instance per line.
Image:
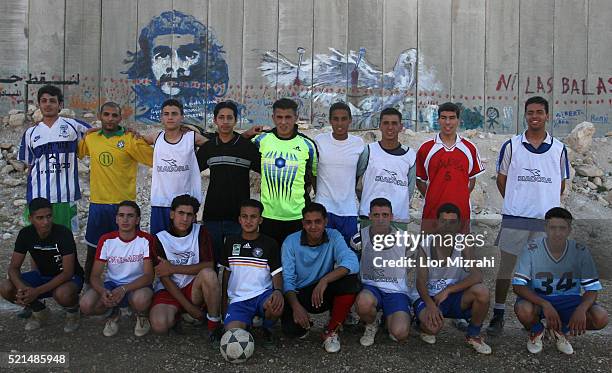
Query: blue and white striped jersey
x=545, y=275
x=51, y=153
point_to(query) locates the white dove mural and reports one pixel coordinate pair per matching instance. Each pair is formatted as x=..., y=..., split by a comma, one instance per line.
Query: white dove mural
x=353, y=71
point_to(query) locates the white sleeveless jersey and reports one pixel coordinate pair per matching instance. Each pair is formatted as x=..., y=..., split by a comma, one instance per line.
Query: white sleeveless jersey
x=442, y=277
x=175, y=170
x=387, y=278
x=533, y=183
x=181, y=251
x=386, y=176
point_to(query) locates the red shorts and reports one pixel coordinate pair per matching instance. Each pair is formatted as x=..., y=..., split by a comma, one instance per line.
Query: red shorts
x=164, y=297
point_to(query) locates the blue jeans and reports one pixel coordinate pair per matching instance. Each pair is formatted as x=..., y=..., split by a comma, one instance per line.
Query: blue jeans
x=219, y=229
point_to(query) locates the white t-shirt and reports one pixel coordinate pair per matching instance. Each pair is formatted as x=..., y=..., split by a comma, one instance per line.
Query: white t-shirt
x=124, y=259
x=181, y=251
x=337, y=173
x=175, y=170
x=51, y=153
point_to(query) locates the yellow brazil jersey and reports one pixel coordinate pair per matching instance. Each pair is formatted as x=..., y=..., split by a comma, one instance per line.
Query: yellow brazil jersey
x=114, y=165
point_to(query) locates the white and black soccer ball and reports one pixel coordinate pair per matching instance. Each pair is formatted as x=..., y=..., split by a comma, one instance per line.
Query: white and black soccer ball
x=237, y=345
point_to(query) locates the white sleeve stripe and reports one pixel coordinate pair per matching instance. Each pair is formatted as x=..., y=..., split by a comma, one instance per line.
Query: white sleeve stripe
x=522, y=276
x=278, y=270
x=478, y=174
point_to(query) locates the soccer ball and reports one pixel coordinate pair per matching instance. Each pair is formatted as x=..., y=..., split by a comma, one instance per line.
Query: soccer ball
x=237, y=345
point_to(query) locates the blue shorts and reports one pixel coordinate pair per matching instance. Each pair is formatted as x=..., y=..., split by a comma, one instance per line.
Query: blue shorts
x=36, y=279
x=390, y=303
x=346, y=225
x=110, y=286
x=450, y=308
x=160, y=219
x=245, y=310
x=102, y=219
x=565, y=305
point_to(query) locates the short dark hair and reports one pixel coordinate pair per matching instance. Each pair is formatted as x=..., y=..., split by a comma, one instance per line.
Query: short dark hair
x=285, y=103
x=340, y=105
x=252, y=203
x=314, y=207
x=559, y=212
x=226, y=105
x=448, y=208
x=390, y=111
x=112, y=104
x=131, y=204
x=37, y=204
x=449, y=106
x=52, y=91
x=185, y=200
x=537, y=100
x=173, y=102
x=381, y=202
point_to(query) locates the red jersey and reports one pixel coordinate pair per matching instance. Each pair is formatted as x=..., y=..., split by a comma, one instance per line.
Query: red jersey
x=448, y=172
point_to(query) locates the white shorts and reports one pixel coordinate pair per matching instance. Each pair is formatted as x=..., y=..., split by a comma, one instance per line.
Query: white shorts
x=513, y=241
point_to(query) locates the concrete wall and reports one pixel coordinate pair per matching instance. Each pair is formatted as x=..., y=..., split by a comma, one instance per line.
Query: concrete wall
x=487, y=55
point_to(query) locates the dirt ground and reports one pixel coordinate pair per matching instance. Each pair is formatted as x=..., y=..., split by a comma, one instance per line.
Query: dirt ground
x=190, y=351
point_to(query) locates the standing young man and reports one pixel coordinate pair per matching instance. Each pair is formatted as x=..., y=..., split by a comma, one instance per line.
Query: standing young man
x=446, y=169
x=388, y=170
x=288, y=170
x=58, y=273
x=175, y=167
x=384, y=287
x=319, y=274
x=450, y=290
x=126, y=254
x=253, y=280
x=184, y=267
x=337, y=171
x=548, y=280
x=230, y=158
x=531, y=173
x=114, y=158
x=50, y=150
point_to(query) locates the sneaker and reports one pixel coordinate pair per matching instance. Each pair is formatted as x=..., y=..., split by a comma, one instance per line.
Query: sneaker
x=306, y=333
x=392, y=337
x=72, y=322
x=461, y=324
x=331, y=342
x=112, y=327
x=496, y=326
x=25, y=313
x=37, y=319
x=142, y=327
x=534, y=342
x=269, y=341
x=369, y=334
x=428, y=338
x=478, y=344
x=191, y=320
x=562, y=343
x=214, y=336
x=257, y=321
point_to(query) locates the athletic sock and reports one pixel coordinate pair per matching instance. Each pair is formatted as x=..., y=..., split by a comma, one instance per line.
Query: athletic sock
x=473, y=330
x=499, y=309
x=537, y=327
x=340, y=309
x=213, y=322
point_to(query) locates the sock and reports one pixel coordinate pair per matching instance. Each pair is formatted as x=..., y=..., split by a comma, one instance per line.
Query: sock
x=499, y=309
x=473, y=330
x=565, y=329
x=213, y=322
x=268, y=324
x=340, y=308
x=537, y=327
x=37, y=306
